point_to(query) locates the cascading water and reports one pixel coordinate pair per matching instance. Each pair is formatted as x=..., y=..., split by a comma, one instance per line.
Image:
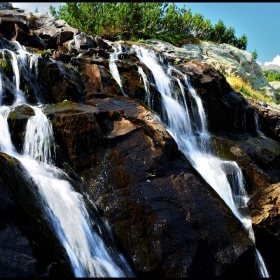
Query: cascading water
x=256, y=118
x=1, y=90
x=113, y=67
x=193, y=140
x=148, y=97
x=64, y=207
x=19, y=95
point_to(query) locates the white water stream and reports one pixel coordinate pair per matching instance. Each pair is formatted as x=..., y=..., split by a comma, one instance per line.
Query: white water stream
x=113, y=67
x=66, y=208
x=193, y=139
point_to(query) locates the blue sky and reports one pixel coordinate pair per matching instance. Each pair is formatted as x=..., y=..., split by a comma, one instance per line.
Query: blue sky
x=259, y=21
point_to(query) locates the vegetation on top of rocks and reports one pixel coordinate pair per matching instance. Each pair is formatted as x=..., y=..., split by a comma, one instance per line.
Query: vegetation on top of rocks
x=239, y=85
x=160, y=20
x=271, y=76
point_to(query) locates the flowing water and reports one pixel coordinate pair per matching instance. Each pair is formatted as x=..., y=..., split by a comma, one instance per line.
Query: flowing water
x=183, y=117
x=65, y=208
x=256, y=118
x=113, y=67
x=186, y=121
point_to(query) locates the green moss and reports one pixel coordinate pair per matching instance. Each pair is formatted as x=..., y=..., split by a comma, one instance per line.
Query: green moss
x=7, y=67
x=21, y=112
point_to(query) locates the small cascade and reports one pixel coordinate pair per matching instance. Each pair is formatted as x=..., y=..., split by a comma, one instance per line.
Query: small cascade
x=5, y=137
x=113, y=67
x=39, y=137
x=33, y=64
x=21, y=62
x=192, y=138
x=148, y=97
x=14, y=61
x=256, y=118
x=66, y=210
x=1, y=89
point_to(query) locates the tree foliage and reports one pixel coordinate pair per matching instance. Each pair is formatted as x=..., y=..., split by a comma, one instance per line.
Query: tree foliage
x=145, y=19
x=255, y=54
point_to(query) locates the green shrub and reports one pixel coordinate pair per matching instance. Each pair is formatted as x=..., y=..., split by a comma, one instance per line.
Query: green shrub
x=271, y=76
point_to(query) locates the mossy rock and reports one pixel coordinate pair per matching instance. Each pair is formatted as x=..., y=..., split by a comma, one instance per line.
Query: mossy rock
x=7, y=66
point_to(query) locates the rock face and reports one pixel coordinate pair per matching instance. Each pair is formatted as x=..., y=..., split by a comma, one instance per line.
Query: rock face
x=147, y=191
x=275, y=85
x=225, y=58
x=164, y=217
x=265, y=211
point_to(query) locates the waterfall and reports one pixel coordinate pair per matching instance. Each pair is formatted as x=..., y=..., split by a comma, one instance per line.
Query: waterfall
x=34, y=63
x=1, y=90
x=193, y=139
x=256, y=118
x=65, y=208
x=19, y=95
x=148, y=97
x=5, y=138
x=113, y=67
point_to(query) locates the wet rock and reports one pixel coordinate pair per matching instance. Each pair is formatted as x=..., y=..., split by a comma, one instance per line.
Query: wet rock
x=255, y=177
x=59, y=82
x=148, y=192
x=17, y=121
x=149, y=195
x=98, y=79
x=265, y=152
x=265, y=212
x=76, y=132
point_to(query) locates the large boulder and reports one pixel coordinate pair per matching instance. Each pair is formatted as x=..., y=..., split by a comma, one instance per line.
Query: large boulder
x=81, y=43
x=98, y=79
x=29, y=39
x=58, y=82
x=148, y=192
x=55, y=33
x=77, y=133
x=7, y=27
